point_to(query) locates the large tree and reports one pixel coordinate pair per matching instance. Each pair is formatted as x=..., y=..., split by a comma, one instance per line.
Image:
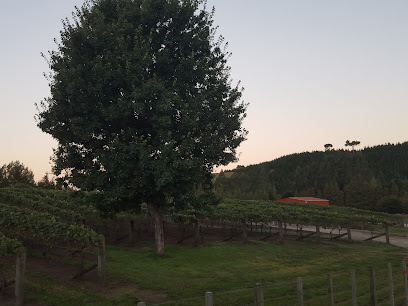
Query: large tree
x=141, y=103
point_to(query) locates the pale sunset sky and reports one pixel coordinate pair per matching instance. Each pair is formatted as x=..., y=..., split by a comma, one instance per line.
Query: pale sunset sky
x=314, y=72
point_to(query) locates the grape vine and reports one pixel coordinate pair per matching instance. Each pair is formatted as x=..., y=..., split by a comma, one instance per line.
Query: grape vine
x=297, y=213
x=8, y=246
x=38, y=227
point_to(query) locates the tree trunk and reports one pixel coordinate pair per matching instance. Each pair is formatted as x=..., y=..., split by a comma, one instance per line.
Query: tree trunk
x=197, y=233
x=158, y=228
x=131, y=232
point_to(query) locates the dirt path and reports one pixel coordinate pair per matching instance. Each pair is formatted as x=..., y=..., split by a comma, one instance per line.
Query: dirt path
x=359, y=235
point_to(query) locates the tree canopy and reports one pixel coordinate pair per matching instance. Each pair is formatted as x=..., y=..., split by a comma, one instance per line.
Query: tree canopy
x=328, y=147
x=15, y=173
x=352, y=144
x=142, y=103
x=47, y=183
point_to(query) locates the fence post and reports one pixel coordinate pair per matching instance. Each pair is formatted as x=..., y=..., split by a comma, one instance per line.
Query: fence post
x=353, y=288
x=280, y=231
x=349, y=234
x=20, y=270
x=259, y=294
x=101, y=259
x=330, y=289
x=391, y=284
x=404, y=268
x=209, y=299
x=318, y=233
x=372, y=287
x=300, y=291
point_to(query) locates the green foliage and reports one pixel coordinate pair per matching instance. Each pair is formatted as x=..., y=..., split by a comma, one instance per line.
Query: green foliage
x=39, y=227
x=332, y=192
x=8, y=246
x=15, y=173
x=298, y=213
x=191, y=208
x=47, y=217
x=25, y=198
x=75, y=206
x=141, y=101
x=360, y=179
x=46, y=183
x=392, y=205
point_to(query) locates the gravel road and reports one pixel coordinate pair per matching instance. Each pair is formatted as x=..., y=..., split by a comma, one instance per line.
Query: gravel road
x=359, y=235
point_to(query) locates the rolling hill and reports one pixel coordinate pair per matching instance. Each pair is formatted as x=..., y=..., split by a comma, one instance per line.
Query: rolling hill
x=373, y=178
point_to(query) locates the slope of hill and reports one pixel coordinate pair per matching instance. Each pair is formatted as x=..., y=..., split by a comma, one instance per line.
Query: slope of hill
x=374, y=178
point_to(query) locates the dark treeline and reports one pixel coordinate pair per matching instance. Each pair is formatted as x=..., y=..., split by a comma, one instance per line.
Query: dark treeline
x=374, y=178
x=16, y=173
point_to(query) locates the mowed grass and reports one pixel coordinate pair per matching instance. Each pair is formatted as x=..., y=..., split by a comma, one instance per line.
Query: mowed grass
x=44, y=290
x=187, y=272
x=229, y=270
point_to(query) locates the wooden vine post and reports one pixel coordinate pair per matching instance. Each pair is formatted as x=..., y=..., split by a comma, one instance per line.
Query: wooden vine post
x=404, y=269
x=209, y=299
x=391, y=285
x=353, y=288
x=259, y=294
x=101, y=259
x=373, y=294
x=20, y=270
x=244, y=231
x=300, y=291
x=330, y=289
x=318, y=233
x=349, y=234
x=387, y=233
x=131, y=232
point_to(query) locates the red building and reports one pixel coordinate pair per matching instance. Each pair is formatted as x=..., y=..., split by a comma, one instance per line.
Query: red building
x=306, y=200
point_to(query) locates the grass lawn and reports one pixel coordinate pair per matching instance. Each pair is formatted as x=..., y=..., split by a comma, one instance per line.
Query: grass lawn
x=187, y=273
x=229, y=270
x=399, y=230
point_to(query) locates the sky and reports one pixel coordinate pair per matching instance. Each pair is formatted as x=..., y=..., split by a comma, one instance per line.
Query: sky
x=314, y=72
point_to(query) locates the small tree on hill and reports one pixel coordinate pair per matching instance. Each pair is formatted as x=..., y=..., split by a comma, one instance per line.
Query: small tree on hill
x=142, y=103
x=46, y=183
x=352, y=144
x=15, y=173
x=328, y=147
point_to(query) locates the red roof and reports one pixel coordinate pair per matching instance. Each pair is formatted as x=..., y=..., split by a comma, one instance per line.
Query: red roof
x=306, y=199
